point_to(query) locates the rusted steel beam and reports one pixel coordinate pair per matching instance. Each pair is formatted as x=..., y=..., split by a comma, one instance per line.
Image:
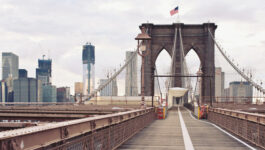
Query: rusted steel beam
x=35, y=103
x=257, y=118
x=64, y=109
x=259, y=111
x=88, y=112
x=239, y=106
x=249, y=126
x=45, y=135
x=40, y=117
x=16, y=124
x=68, y=107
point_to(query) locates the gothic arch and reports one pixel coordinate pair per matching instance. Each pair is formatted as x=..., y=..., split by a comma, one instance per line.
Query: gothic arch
x=195, y=37
x=157, y=53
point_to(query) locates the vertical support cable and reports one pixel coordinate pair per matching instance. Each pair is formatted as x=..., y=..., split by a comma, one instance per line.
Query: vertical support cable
x=184, y=66
x=173, y=58
x=241, y=73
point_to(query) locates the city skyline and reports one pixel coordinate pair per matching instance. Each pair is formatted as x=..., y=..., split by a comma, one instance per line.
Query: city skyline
x=34, y=32
x=132, y=74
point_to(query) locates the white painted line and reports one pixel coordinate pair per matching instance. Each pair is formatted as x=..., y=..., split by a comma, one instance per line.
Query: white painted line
x=240, y=141
x=187, y=141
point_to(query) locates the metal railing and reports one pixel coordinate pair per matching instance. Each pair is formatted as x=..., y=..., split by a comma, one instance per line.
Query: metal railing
x=35, y=103
x=100, y=132
x=248, y=126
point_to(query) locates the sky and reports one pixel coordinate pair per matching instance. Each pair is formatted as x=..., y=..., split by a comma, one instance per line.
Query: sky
x=58, y=29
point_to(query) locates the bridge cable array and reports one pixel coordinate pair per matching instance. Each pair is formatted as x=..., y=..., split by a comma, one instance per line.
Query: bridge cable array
x=186, y=71
x=241, y=73
x=172, y=68
x=113, y=77
x=186, y=82
x=159, y=87
x=197, y=87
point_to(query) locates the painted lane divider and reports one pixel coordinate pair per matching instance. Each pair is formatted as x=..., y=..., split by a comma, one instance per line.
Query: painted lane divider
x=187, y=141
x=222, y=130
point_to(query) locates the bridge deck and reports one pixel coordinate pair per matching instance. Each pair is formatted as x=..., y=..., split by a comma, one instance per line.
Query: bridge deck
x=168, y=134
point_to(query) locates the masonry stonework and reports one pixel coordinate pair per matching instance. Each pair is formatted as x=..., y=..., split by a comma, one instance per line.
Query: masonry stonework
x=194, y=36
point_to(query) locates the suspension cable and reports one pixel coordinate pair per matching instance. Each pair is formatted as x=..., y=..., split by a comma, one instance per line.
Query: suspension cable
x=253, y=83
x=173, y=58
x=185, y=67
x=158, y=82
x=196, y=87
x=92, y=94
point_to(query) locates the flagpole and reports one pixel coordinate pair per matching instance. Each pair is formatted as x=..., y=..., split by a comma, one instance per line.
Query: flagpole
x=173, y=12
x=178, y=16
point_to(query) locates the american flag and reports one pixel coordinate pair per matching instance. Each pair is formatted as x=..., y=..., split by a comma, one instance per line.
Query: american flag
x=174, y=11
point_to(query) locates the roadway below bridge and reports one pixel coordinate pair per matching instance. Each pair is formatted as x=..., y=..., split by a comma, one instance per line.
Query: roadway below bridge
x=179, y=131
x=54, y=113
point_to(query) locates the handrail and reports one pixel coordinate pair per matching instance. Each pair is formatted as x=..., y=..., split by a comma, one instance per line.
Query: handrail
x=254, y=117
x=50, y=133
x=249, y=126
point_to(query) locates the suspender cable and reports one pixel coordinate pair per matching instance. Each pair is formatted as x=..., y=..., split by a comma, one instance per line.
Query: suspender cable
x=173, y=58
x=158, y=82
x=253, y=83
x=92, y=94
x=184, y=66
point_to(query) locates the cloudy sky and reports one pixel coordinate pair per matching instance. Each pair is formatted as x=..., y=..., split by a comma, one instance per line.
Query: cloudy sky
x=59, y=28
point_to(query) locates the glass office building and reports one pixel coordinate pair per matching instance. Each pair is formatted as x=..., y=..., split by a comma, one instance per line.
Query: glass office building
x=9, y=65
x=49, y=93
x=27, y=90
x=44, y=71
x=88, y=58
x=63, y=94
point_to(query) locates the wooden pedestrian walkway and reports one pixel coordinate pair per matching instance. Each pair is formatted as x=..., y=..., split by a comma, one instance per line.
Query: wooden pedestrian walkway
x=170, y=134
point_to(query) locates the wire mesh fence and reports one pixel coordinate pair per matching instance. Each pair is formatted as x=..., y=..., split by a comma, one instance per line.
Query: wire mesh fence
x=107, y=138
x=248, y=126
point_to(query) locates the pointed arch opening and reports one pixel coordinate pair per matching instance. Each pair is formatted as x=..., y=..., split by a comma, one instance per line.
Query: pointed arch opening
x=162, y=65
x=194, y=65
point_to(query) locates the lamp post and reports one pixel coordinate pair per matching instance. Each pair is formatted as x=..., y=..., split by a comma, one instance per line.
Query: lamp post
x=142, y=42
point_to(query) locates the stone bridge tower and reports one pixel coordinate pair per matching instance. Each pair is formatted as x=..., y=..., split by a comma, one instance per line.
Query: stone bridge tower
x=194, y=36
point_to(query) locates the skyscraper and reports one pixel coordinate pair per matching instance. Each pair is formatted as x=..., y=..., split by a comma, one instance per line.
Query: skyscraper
x=49, y=93
x=63, y=94
x=131, y=87
x=219, y=84
x=10, y=91
x=44, y=72
x=78, y=88
x=9, y=65
x=240, y=91
x=78, y=91
x=110, y=90
x=88, y=58
x=23, y=73
x=3, y=91
x=27, y=90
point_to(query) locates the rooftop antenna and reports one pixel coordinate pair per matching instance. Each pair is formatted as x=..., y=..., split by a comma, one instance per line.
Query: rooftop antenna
x=43, y=57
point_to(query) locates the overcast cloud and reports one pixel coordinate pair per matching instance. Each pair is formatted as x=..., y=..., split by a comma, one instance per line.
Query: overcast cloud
x=59, y=28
